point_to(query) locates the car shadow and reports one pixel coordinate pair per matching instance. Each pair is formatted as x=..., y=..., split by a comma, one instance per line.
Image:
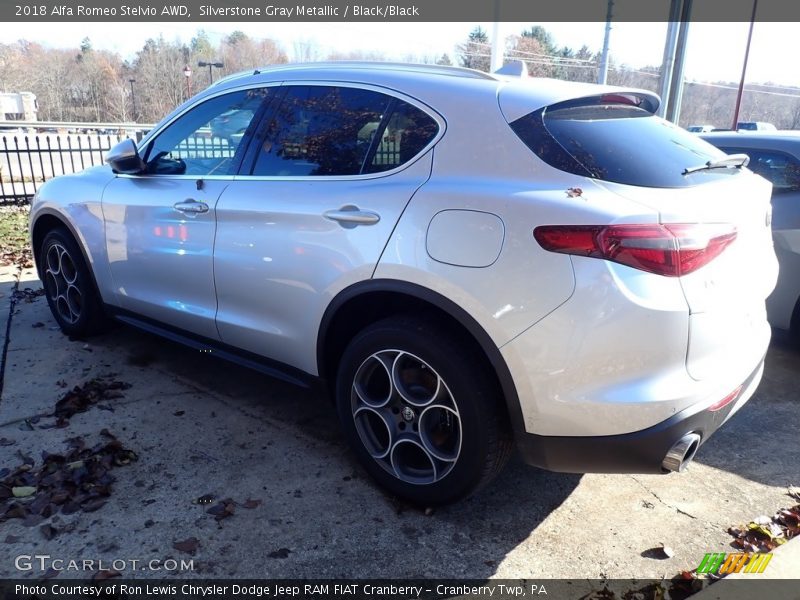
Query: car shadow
x=363, y=530
x=760, y=441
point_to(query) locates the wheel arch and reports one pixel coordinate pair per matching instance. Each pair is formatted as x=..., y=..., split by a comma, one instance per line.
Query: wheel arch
x=45, y=222
x=363, y=303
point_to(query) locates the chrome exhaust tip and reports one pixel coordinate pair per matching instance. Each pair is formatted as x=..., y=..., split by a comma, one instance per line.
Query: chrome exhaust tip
x=681, y=453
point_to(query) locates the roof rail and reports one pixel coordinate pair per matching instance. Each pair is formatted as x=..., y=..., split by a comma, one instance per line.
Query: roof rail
x=367, y=65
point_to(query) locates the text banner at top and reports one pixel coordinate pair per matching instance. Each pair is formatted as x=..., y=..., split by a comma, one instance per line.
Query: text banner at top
x=393, y=10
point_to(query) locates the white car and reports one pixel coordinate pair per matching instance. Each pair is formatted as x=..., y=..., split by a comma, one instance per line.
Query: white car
x=465, y=259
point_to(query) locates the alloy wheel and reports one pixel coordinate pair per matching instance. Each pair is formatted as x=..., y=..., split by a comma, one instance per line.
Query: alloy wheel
x=406, y=417
x=61, y=284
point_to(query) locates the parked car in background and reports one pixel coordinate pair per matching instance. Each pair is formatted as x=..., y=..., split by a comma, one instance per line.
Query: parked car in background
x=230, y=124
x=755, y=126
x=463, y=258
x=700, y=128
x=776, y=157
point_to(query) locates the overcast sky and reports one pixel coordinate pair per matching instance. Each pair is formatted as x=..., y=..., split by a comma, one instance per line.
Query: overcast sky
x=715, y=50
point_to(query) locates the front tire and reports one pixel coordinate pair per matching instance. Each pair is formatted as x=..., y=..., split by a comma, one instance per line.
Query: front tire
x=421, y=410
x=69, y=287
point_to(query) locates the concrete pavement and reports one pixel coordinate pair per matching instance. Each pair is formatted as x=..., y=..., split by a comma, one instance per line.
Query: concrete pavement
x=201, y=426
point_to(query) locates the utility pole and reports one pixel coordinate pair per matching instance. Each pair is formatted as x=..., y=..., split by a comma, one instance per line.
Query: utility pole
x=602, y=74
x=496, y=60
x=668, y=62
x=739, y=93
x=674, y=59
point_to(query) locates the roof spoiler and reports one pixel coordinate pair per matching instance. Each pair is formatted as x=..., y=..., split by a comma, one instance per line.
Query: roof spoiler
x=514, y=68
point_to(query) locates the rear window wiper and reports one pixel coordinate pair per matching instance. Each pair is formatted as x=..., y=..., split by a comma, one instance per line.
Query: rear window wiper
x=732, y=160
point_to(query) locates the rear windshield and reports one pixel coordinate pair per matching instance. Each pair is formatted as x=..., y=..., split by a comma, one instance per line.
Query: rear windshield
x=621, y=143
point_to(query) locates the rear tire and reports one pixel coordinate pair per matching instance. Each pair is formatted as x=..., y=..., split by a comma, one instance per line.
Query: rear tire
x=794, y=326
x=69, y=287
x=421, y=410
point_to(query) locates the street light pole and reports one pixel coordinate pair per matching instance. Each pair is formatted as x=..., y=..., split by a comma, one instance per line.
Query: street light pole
x=133, y=100
x=203, y=63
x=187, y=71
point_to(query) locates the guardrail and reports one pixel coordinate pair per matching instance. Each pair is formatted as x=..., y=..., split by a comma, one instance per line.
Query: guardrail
x=73, y=127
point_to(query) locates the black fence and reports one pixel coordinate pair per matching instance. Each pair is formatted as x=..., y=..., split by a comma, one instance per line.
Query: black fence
x=27, y=161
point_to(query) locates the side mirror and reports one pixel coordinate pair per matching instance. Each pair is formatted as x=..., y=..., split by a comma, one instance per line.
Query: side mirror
x=124, y=158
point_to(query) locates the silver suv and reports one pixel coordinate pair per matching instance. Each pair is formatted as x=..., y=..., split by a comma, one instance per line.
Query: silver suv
x=465, y=259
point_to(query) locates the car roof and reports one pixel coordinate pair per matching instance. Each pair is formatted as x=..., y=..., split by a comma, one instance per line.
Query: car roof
x=418, y=79
x=289, y=69
x=788, y=141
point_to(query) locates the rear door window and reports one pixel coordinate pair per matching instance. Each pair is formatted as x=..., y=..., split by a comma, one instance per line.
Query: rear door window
x=332, y=130
x=617, y=141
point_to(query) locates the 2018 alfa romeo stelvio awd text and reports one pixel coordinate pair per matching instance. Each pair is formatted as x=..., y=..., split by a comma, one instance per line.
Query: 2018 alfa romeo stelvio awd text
x=470, y=262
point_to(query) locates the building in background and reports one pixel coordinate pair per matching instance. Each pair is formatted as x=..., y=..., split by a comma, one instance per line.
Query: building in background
x=18, y=106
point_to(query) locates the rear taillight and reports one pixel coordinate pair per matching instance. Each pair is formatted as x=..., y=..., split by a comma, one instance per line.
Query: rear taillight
x=671, y=250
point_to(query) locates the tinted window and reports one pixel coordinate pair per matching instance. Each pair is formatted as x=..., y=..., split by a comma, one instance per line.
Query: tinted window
x=204, y=141
x=407, y=131
x=617, y=142
x=782, y=169
x=319, y=130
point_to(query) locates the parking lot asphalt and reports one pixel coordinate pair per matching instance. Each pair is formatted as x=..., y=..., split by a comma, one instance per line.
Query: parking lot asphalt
x=203, y=427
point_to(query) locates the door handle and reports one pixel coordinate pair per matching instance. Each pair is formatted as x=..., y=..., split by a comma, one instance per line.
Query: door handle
x=191, y=206
x=351, y=216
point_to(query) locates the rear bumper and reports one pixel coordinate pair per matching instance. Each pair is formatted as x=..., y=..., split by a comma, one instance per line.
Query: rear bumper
x=637, y=452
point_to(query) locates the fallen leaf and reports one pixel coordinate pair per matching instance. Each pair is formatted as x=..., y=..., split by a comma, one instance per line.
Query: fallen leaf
x=106, y=574
x=279, y=553
x=23, y=491
x=93, y=504
x=48, y=531
x=574, y=192
x=223, y=509
x=25, y=458
x=82, y=397
x=188, y=546
x=249, y=503
x=33, y=520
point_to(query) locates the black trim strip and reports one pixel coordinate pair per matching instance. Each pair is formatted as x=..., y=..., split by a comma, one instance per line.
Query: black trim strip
x=636, y=452
x=250, y=360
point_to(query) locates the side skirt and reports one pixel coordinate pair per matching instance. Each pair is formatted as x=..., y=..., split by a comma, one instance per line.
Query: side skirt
x=250, y=360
